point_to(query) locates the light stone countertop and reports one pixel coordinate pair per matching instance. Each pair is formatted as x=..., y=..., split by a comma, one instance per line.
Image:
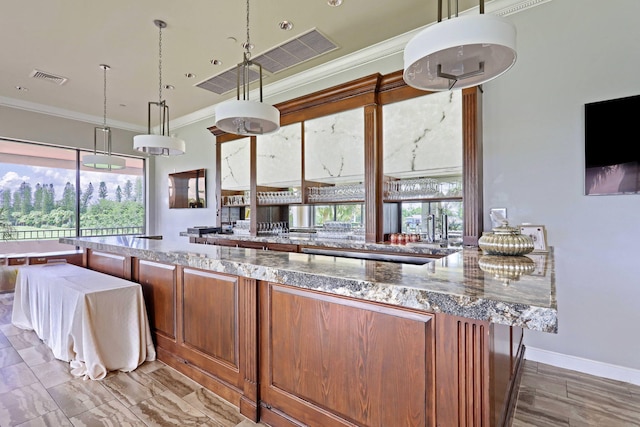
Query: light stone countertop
x=454, y=284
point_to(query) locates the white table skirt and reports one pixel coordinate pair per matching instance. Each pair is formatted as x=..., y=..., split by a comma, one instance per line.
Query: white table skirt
x=95, y=321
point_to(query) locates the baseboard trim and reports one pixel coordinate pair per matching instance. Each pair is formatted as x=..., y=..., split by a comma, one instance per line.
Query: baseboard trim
x=586, y=366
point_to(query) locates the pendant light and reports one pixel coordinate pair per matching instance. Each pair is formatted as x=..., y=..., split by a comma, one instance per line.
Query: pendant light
x=460, y=52
x=160, y=144
x=103, y=160
x=243, y=116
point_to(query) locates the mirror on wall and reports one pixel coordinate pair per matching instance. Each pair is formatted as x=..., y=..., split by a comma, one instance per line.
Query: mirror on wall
x=188, y=189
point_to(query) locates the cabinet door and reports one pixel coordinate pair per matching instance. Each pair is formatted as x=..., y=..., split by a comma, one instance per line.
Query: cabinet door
x=115, y=265
x=209, y=324
x=330, y=361
x=158, y=283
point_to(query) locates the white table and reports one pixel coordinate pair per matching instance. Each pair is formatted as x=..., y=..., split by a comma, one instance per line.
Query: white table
x=95, y=321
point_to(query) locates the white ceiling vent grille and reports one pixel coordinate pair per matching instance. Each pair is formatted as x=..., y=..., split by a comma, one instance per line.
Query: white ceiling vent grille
x=42, y=75
x=303, y=48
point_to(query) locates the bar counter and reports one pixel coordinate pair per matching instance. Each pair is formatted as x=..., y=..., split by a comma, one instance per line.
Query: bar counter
x=454, y=284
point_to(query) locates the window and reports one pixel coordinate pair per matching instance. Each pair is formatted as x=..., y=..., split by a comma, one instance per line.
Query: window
x=40, y=196
x=342, y=213
x=427, y=219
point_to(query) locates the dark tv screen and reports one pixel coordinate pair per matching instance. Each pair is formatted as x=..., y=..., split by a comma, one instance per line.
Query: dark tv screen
x=612, y=146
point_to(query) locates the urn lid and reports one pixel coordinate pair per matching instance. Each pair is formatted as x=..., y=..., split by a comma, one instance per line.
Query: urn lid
x=505, y=229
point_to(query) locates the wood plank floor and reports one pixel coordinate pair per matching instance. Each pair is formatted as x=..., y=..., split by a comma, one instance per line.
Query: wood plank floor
x=556, y=397
x=38, y=390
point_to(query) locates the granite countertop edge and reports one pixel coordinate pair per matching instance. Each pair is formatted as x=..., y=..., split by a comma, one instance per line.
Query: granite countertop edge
x=528, y=316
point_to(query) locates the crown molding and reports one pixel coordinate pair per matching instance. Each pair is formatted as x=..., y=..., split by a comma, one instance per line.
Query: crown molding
x=67, y=114
x=509, y=7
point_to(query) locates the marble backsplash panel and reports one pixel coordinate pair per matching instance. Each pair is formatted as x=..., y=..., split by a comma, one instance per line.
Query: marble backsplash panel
x=234, y=161
x=334, y=147
x=279, y=157
x=423, y=136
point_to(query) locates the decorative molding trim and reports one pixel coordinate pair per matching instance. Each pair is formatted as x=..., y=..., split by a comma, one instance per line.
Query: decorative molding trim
x=587, y=366
x=509, y=7
x=67, y=114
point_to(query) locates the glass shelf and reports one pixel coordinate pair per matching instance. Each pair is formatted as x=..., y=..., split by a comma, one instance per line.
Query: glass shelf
x=288, y=197
x=423, y=189
x=336, y=194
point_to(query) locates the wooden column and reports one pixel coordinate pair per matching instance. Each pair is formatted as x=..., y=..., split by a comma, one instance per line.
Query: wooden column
x=218, y=165
x=253, y=187
x=373, y=181
x=462, y=372
x=472, y=165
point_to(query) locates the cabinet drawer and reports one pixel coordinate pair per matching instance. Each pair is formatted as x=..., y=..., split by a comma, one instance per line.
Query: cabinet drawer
x=68, y=258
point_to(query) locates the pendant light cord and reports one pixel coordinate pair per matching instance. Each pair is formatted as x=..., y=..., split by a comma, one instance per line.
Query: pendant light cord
x=247, y=45
x=104, y=117
x=160, y=73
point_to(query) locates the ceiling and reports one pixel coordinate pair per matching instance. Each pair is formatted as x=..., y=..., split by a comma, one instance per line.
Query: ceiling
x=71, y=39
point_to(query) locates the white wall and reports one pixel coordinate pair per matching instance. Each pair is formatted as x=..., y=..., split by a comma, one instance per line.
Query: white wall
x=37, y=127
x=570, y=52
x=200, y=153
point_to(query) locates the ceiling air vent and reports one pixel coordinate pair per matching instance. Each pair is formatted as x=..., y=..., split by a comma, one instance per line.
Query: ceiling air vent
x=303, y=48
x=307, y=46
x=42, y=75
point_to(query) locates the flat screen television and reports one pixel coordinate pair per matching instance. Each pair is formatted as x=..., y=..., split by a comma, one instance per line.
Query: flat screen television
x=612, y=146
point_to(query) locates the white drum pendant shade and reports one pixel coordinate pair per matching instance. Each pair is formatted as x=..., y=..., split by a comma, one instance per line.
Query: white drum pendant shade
x=459, y=53
x=159, y=145
x=245, y=117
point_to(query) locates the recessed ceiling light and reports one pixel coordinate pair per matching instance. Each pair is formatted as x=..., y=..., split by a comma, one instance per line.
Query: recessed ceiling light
x=22, y=88
x=232, y=39
x=334, y=3
x=215, y=62
x=123, y=105
x=190, y=75
x=286, y=25
x=170, y=87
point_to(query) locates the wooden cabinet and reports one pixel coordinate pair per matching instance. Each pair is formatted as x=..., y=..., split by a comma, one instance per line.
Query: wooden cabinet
x=158, y=283
x=71, y=258
x=205, y=326
x=328, y=361
x=108, y=263
x=282, y=247
x=295, y=357
x=17, y=260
